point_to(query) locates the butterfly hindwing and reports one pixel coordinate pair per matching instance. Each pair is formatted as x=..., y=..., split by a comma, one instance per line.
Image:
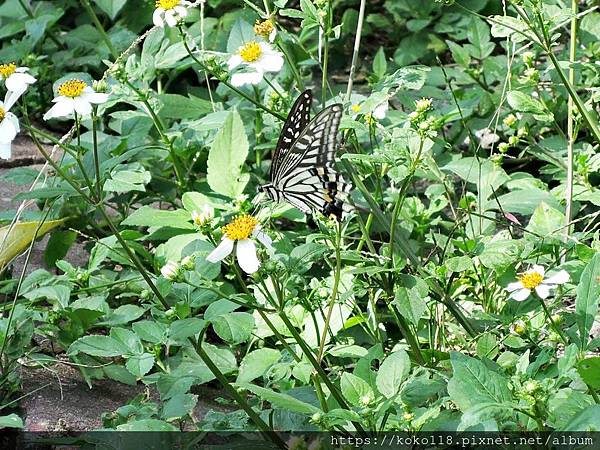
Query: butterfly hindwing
x=296, y=122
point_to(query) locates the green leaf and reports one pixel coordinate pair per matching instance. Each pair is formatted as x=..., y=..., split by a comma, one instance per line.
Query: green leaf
x=481, y=412
x=11, y=421
x=281, y=401
x=179, y=107
x=150, y=331
x=147, y=425
x=256, y=363
x=123, y=181
x=545, y=220
x=234, y=328
x=586, y=420
x=111, y=7
x=140, y=365
x=354, y=388
x=182, y=329
x=96, y=345
x=487, y=346
x=147, y=216
x=379, y=63
x=410, y=299
x=459, y=54
x=392, y=373
x=589, y=370
x=525, y=103
x=179, y=406
x=226, y=157
x=459, y=263
x=473, y=383
x=58, y=246
x=588, y=296
x=59, y=295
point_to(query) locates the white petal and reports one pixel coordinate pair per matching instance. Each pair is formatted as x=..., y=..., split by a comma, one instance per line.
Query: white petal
x=272, y=35
x=170, y=18
x=62, y=108
x=11, y=98
x=157, y=17
x=558, y=278
x=9, y=128
x=222, y=251
x=514, y=286
x=537, y=268
x=246, y=256
x=265, y=240
x=380, y=111
x=95, y=97
x=5, y=151
x=19, y=81
x=82, y=106
x=234, y=61
x=270, y=61
x=543, y=290
x=181, y=11
x=520, y=295
x=242, y=78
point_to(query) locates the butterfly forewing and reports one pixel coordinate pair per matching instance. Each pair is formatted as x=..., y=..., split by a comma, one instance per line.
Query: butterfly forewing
x=296, y=122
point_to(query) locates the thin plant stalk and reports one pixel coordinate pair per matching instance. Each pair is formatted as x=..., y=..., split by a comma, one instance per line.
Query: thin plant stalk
x=100, y=28
x=334, y=291
x=357, y=38
x=571, y=123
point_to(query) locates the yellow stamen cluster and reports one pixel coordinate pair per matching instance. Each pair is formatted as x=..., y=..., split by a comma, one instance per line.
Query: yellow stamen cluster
x=356, y=108
x=167, y=4
x=531, y=280
x=6, y=70
x=240, y=228
x=72, y=88
x=251, y=52
x=264, y=28
x=2, y=114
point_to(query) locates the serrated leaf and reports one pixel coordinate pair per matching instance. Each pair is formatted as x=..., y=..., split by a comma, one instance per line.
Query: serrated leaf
x=393, y=373
x=281, y=401
x=256, y=363
x=588, y=296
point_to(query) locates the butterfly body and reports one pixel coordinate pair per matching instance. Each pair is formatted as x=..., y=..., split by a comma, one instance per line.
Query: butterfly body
x=302, y=171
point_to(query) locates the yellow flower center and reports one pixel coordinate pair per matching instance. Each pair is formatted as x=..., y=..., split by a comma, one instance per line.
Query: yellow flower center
x=264, y=28
x=2, y=114
x=240, y=228
x=167, y=4
x=356, y=108
x=72, y=88
x=531, y=280
x=250, y=52
x=6, y=70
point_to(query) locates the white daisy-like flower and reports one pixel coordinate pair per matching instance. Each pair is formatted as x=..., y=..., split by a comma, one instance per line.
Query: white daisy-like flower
x=170, y=12
x=74, y=96
x=381, y=110
x=534, y=279
x=16, y=79
x=170, y=270
x=265, y=29
x=238, y=233
x=204, y=216
x=487, y=138
x=256, y=58
x=9, y=126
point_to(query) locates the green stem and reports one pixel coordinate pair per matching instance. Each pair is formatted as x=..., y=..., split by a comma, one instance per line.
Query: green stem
x=96, y=156
x=553, y=324
x=160, y=128
x=334, y=291
x=100, y=28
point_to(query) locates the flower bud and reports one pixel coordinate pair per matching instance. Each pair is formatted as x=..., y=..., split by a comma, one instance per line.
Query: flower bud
x=170, y=271
x=513, y=140
x=204, y=216
x=503, y=147
x=510, y=120
x=519, y=327
x=423, y=105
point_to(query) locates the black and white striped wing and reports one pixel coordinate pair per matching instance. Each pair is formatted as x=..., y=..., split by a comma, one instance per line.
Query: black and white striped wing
x=315, y=146
x=297, y=120
x=306, y=177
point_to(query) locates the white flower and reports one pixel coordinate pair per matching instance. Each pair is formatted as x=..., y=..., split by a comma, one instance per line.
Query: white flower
x=487, y=138
x=170, y=270
x=9, y=126
x=381, y=110
x=257, y=58
x=240, y=230
x=74, y=96
x=204, y=216
x=169, y=11
x=16, y=79
x=533, y=279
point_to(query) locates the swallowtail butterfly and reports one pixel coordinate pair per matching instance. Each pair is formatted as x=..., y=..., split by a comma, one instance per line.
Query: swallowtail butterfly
x=302, y=170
